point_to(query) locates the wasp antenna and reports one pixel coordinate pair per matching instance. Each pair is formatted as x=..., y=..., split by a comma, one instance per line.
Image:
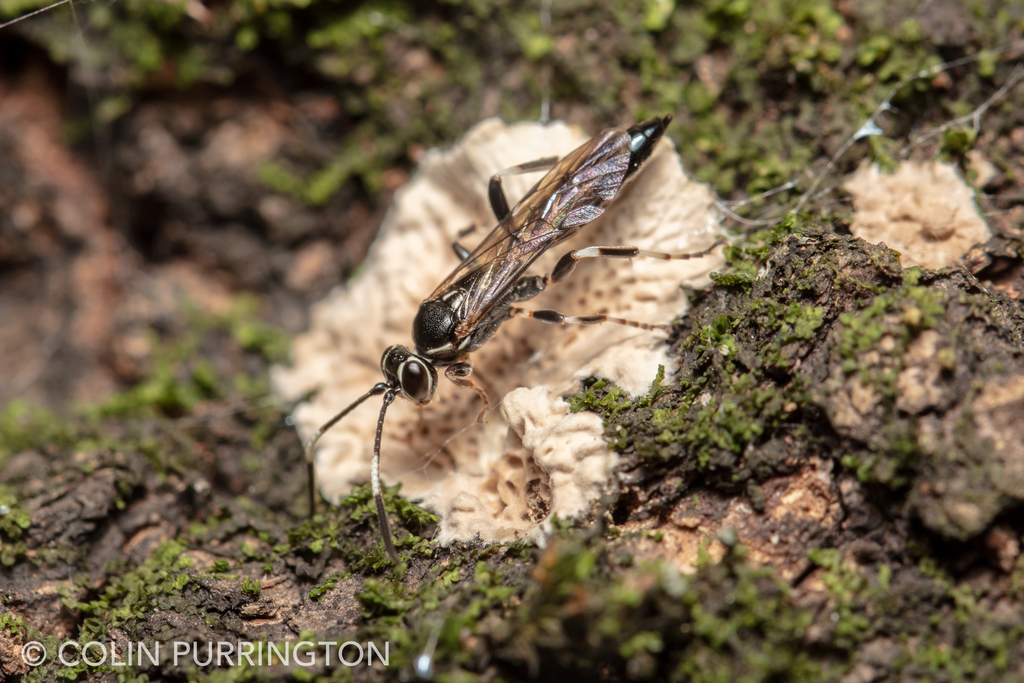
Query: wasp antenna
x=377, y=389
x=378, y=497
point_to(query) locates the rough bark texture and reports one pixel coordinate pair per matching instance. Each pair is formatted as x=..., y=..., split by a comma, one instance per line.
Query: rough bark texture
x=838, y=466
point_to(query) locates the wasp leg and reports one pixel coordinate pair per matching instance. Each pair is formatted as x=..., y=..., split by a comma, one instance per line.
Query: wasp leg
x=555, y=318
x=460, y=251
x=567, y=263
x=458, y=374
x=496, y=191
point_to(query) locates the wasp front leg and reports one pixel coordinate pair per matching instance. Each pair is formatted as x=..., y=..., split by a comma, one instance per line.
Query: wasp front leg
x=458, y=374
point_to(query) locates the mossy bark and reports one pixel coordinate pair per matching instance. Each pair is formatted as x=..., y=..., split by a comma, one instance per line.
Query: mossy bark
x=908, y=566
x=838, y=461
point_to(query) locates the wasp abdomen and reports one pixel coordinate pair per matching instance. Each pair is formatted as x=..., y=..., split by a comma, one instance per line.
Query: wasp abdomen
x=642, y=139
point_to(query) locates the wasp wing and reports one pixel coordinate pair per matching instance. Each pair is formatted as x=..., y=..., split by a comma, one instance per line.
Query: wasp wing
x=572, y=194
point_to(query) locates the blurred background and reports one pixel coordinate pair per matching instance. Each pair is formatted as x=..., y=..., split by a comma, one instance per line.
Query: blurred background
x=180, y=180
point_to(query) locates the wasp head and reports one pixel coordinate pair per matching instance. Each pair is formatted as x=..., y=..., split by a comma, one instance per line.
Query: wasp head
x=413, y=375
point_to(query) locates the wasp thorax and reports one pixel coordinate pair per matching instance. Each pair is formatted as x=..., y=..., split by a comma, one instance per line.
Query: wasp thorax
x=433, y=330
x=414, y=376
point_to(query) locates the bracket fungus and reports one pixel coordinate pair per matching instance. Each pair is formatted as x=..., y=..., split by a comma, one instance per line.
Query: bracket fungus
x=503, y=479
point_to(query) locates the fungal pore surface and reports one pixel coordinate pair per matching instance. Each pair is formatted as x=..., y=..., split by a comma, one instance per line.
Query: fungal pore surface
x=502, y=479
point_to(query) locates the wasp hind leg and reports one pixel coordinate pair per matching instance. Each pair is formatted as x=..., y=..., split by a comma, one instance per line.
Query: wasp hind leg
x=555, y=318
x=458, y=374
x=567, y=263
x=529, y=287
x=496, y=191
x=498, y=200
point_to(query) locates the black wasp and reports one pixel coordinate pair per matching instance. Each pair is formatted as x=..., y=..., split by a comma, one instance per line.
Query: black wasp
x=480, y=294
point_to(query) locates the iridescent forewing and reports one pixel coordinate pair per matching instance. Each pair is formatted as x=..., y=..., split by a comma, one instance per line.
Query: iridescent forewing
x=572, y=194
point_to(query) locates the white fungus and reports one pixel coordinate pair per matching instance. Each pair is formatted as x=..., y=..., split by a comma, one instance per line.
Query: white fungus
x=503, y=479
x=925, y=211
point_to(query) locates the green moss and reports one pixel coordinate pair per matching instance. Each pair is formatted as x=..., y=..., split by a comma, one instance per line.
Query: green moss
x=324, y=587
x=354, y=161
x=580, y=607
x=851, y=592
x=715, y=337
x=24, y=427
x=733, y=133
x=12, y=623
x=884, y=152
x=872, y=344
x=129, y=596
x=753, y=379
x=359, y=510
x=251, y=333
x=899, y=316
x=956, y=142
x=14, y=522
x=12, y=551
x=181, y=377
x=600, y=396
x=251, y=587
x=793, y=323
x=164, y=391
x=709, y=426
x=967, y=642
x=730, y=395
x=744, y=277
x=533, y=40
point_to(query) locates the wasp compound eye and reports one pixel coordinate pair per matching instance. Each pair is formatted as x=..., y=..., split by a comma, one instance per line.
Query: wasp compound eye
x=417, y=379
